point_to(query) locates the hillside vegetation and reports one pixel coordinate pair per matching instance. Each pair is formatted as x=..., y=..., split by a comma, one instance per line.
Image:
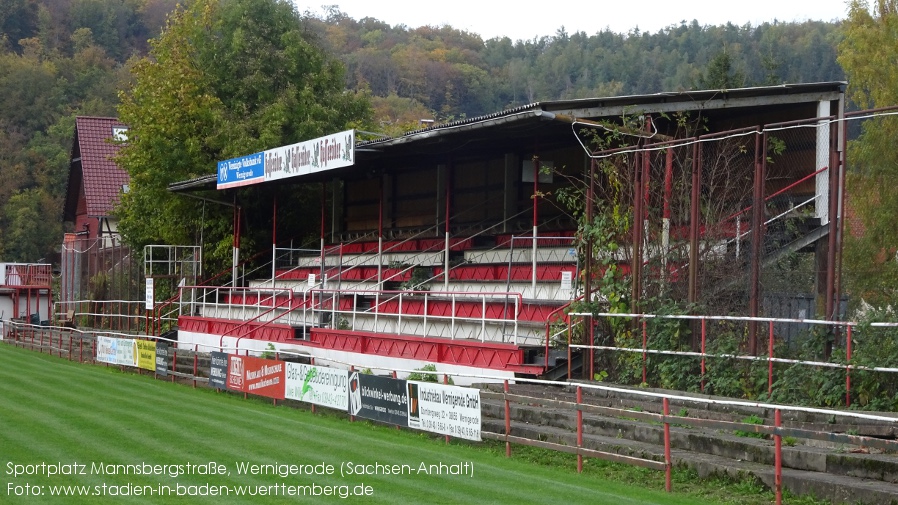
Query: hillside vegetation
x=63, y=58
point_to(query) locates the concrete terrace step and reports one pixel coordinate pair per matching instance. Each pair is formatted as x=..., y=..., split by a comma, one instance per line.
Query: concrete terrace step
x=829, y=472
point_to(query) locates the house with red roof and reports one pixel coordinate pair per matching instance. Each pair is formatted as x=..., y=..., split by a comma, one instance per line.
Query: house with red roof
x=95, y=182
x=92, y=254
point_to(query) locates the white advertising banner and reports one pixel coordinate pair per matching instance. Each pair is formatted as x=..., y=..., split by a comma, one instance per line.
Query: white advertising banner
x=317, y=155
x=328, y=387
x=150, y=294
x=447, y=410
x=117, y=351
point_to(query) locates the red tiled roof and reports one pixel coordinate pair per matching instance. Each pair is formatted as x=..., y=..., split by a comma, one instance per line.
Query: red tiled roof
x=103, y=179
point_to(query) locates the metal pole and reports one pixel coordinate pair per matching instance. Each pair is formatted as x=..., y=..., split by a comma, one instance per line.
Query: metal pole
x=579, y=429
x=667, y=462
x=832, y=239
x=507, y=420
x=692, y=295
x=587, y=278
x=757, y=238
x=274, y=241
x=778, y=457
x=644, y=355
x=848, y=370
x=450, y=173
x=770, y=362
x=380, y=235
x=535, y=225
x=665, y=223
x=446, y=382
x=704, y=336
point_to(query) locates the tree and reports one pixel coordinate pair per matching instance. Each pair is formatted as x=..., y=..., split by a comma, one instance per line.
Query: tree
x=868, y=53
x=721, y=74
x=225, y=78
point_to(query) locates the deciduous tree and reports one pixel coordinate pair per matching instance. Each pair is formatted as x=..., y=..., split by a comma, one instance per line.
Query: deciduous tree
x=868, y=54
x=226, y=78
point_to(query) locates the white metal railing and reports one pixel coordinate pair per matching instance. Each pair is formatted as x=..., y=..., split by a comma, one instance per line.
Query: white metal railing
x=395, y=306
x=412, y=312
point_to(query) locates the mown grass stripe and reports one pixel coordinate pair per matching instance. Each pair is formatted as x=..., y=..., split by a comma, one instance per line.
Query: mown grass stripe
x=53, y=410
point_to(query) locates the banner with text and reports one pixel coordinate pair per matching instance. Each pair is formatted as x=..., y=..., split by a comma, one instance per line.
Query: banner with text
x=218, y=370
x=162, y=359
x=116, y=351
x=146, y=355
x=381, y=399
x=316, y=155
x=447, y=410
x=320, y=385
x=258, y=376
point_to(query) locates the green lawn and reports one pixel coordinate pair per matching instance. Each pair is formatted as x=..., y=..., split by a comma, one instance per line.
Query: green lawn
x=53, y=411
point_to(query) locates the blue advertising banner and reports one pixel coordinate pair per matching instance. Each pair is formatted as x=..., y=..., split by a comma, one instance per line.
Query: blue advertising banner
x=317, y=155
x=241, y=171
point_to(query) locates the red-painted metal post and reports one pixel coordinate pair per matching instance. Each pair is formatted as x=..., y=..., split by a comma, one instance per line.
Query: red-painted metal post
x=848, y=369
x=81, y=350
x=778, y=457
x=579, y=429
x=694, y=230
x=757, y=237
x=770, y=361
x=70, y=346
x=174, y=365
x=93, y=350
x=644, y=354
x=704, y=336
x=507, y=420
x=667, y=463
x=195, y=363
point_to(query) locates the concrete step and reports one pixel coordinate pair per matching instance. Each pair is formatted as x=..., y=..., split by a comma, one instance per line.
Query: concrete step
x=830, y=472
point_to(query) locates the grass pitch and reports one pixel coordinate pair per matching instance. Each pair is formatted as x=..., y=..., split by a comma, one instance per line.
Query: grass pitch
x=56, y=416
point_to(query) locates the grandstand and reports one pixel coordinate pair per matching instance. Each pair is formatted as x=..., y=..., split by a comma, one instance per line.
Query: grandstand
x=449, y=244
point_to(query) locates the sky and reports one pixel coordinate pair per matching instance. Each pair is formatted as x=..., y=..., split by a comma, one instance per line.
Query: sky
x=497, y=18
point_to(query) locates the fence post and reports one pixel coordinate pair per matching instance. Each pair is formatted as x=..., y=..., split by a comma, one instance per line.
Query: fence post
x=579, y=429
x=770, y=360
x=704, y=334
x=644, y=354
x=174, y=365
x=81, y=350
x=778, y=456
x=394, y=376
x=312, y=362
x=507, y=419
x=445, y=382
x=277, y=354
x=667, y=463
x=195, y=362
x=70, y=347
x=351, y=369
x=848, y=367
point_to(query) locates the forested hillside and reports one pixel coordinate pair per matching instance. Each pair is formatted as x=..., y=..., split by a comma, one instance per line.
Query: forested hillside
x=63, y=58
